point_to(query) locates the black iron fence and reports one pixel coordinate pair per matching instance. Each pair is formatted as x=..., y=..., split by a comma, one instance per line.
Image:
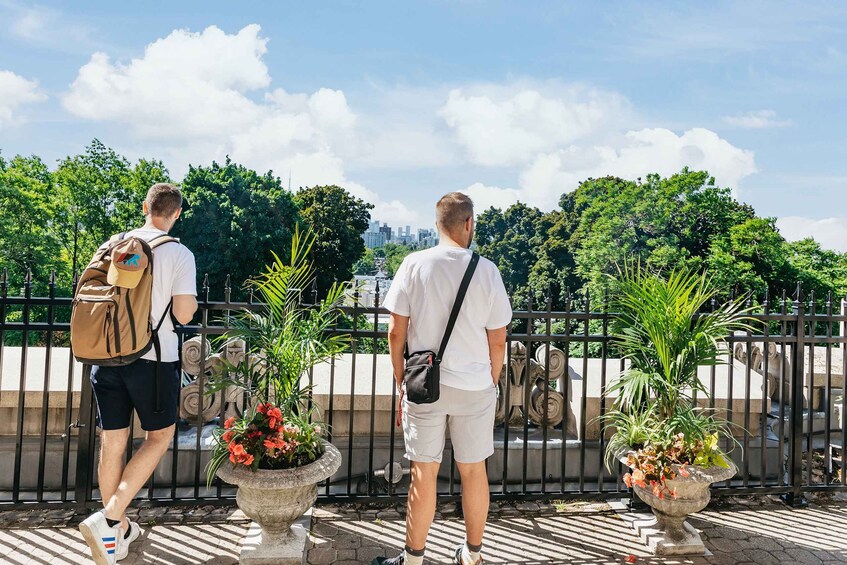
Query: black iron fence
x=783, y=388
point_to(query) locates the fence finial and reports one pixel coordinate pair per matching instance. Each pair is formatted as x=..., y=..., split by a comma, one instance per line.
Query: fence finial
x=52, y=277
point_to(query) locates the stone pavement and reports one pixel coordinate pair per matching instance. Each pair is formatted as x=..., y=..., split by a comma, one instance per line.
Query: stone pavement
x=736, y=531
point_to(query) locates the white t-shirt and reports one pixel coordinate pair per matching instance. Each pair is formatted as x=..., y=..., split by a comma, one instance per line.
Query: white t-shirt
x=174, y=273
x=424, y=289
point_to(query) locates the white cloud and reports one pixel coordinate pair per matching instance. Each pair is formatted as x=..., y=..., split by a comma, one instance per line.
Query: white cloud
x=760, y=119
x=45, y=27
x=191, y=97
x=831, y=233
x=500, y=126
x=16, y=91
x=637, y=153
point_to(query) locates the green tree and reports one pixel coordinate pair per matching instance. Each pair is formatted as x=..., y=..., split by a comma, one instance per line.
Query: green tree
x=394, y=255
x=666, y=223
x=338, y=220
x=27, y=238
x=365, y=265
x=818, y=269
x=234, y=220
x=99, y=193
x=513, y=240
x=751, y=257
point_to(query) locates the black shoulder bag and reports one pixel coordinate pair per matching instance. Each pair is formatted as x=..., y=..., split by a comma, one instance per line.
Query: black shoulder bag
x=422, y=373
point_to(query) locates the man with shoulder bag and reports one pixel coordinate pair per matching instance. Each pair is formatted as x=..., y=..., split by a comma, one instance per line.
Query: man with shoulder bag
x=122, y=328
x=447, y=339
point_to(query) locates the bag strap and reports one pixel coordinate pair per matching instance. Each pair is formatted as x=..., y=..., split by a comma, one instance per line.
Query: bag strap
x=157, y=347
x=161, y=240
x=460, y=297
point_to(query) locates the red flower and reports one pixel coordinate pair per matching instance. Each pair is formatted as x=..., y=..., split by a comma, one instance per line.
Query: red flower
x=229, y=422
x=227, y=437
x=270, y=444
x=263, y=408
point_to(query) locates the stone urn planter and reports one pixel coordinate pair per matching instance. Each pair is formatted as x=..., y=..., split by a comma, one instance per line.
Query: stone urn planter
x=669, y=533
x=275, y=499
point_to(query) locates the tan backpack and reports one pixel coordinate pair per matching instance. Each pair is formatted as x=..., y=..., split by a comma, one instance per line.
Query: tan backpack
x=110, y=318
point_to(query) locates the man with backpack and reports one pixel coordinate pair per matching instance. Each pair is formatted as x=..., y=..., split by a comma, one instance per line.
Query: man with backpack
x=125, y=306
x=449, y=296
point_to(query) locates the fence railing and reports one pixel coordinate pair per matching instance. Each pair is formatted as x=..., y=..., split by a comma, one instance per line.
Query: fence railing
x=783, y=388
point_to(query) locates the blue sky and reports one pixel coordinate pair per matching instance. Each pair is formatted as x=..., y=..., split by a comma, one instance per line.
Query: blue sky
x=402, y=102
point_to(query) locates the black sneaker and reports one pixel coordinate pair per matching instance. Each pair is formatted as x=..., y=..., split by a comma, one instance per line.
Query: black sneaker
x=457, y=559
x=399, y=560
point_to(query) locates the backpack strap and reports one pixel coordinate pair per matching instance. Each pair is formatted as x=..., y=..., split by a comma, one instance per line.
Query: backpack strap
x=157, y=346
x=161, y=240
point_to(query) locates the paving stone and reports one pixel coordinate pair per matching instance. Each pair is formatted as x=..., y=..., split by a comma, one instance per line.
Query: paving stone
x=346, y=555
x=761, y=556
x=367, y=554
x=389, y=515
x=802, y=555
x=723, y=544
x=322, y=556
x=324, y=528
x=347, y=541
x=766, y=543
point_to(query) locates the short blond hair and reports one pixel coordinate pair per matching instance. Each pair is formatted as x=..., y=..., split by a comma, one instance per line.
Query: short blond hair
x=452, y=211
x=163, y=200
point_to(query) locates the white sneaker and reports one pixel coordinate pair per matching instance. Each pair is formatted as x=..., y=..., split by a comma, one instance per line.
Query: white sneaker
x=103, y=540
x=134, y=532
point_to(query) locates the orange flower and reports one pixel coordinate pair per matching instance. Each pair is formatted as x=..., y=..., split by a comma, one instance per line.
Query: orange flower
x=229, y=422
x=627, y=479
x=270, y=444
x=238, y=450
x=227, y=437
x=248, y=460
x=232, y=458
x=683, y=471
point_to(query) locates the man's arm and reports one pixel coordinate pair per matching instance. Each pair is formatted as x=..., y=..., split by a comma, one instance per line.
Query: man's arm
x=185, y=305
x=496, y=351
x=397, y=328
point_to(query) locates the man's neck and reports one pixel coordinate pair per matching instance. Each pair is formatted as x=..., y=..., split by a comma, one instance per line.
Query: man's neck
x=448, y=241
x=155, y=224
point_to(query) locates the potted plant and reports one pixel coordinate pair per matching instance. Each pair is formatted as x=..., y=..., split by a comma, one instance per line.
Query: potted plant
x=669, y=443
x=274, y=453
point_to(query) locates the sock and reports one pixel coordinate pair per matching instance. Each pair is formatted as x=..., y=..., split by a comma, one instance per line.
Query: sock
x=413, y=556
x=112, y=523
x=128, y=530
x=470, y=553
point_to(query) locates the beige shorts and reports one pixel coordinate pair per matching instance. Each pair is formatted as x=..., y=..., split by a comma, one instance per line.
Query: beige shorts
x=468, y=414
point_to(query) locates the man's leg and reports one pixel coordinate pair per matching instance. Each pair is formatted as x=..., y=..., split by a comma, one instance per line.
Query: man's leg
x=421, y=505
x=475, y=495
x=137, y=471
x=112, y=460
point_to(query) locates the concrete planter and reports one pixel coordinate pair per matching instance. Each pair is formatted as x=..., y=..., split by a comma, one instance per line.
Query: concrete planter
x=275, y=499
x=669, y=533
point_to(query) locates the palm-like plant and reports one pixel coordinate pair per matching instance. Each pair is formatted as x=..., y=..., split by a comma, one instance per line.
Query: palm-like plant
x=285, y=336
x=284, y=339
x=663, y=330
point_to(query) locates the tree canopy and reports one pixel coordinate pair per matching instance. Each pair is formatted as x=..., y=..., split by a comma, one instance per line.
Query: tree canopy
x=234, y=219
x=337, y=219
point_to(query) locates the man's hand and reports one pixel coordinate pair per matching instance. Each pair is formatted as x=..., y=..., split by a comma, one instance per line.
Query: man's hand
x=398, y=421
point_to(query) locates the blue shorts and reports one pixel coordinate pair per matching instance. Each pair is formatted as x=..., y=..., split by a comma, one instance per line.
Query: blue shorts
x=119, y=390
